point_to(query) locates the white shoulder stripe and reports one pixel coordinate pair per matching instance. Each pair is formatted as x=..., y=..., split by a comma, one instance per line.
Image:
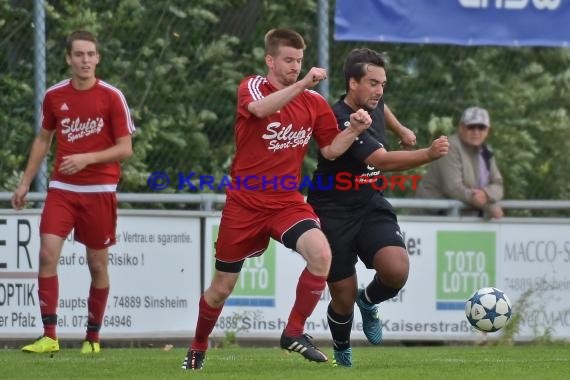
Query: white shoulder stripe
x=253, y=86
x=130, y=123
x=54, y=87
x=63, y=83
x=315, y=93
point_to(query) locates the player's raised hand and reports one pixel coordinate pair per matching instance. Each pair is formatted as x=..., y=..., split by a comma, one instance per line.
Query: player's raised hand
x=360, y=120
x=314, y=76
x=439, y=147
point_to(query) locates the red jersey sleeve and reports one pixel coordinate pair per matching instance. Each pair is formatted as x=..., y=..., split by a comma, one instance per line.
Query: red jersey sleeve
x=326, y=127
x=49, y=120
x=249, y=90
x=121, y=121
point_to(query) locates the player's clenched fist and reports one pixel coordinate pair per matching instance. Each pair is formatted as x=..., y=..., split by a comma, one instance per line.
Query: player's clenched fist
x=360, y=120
x=439, y=147
x=314, y=76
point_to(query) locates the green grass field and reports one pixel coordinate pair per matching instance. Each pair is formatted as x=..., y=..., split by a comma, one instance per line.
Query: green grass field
x=402, y=363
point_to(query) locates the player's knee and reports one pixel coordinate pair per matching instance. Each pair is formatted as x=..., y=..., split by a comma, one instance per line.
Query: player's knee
x=219, y=292
x=319, y=262
x=48, y=257
x=97, y=268
x=395, y=277
x=321, y=250
x=400, y=280
x=324, y=262
x=401, y=273
x=393, y=269
x=315, y=248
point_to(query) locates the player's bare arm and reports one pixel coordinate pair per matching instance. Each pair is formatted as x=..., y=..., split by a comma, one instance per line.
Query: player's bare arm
x=76, y=162
x=275, y=101
x=407, y=136
x=40, y=149
x=359, y=122
x=404, y=160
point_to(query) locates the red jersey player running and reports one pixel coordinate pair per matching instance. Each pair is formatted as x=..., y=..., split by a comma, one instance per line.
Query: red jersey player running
x=93, y=126
x=276, y=116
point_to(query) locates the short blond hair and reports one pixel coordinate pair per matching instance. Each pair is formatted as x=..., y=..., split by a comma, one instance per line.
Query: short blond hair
x=276, y=38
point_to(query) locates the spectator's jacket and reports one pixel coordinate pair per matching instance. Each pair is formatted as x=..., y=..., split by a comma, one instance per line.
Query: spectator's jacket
x=456, y=174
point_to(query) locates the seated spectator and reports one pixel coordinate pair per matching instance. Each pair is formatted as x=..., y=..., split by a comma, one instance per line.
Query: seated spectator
x=469, y=172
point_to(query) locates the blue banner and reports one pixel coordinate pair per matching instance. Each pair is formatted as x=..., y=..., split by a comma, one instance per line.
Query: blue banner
x=458, y=22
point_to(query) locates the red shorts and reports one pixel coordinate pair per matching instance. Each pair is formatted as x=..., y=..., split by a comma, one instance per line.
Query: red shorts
x=244, y=232
x=92, y=215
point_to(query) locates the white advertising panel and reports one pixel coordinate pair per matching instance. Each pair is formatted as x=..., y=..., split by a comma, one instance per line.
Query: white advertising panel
x=448, y=260
x=154, y=270
x=155, y=280
x=534, y=263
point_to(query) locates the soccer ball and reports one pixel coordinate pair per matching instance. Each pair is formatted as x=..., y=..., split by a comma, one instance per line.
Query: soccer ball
x=488, y=309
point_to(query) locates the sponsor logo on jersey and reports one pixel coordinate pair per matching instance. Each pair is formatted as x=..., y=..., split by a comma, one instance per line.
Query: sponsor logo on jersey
x=75, y=129
x=371, y=172
x=280, y=137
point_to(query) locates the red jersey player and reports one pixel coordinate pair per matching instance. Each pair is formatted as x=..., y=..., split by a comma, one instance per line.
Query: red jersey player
x=276, y=117
x=93, y=127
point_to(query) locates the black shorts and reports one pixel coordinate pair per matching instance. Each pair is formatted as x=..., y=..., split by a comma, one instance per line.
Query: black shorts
x=360, y=235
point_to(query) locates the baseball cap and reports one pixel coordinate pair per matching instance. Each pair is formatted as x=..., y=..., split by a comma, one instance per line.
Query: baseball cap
x=476, y=115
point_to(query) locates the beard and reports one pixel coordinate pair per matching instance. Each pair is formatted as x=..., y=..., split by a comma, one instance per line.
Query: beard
x=370, y=105
x=289, y=78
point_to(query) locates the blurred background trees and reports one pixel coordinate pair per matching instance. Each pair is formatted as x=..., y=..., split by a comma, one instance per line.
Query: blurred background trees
x=179, y=64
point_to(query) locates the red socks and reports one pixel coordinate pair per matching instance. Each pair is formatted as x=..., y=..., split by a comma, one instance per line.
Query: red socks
x=48, y=294
x=207, y=318
x=309, y=290
x=96, y=304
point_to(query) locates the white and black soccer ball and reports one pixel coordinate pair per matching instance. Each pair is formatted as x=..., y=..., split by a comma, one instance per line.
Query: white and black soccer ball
x=488, y=309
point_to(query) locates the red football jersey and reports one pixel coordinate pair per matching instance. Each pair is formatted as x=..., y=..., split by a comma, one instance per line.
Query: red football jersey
x=273, y=147
x=86, y=121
